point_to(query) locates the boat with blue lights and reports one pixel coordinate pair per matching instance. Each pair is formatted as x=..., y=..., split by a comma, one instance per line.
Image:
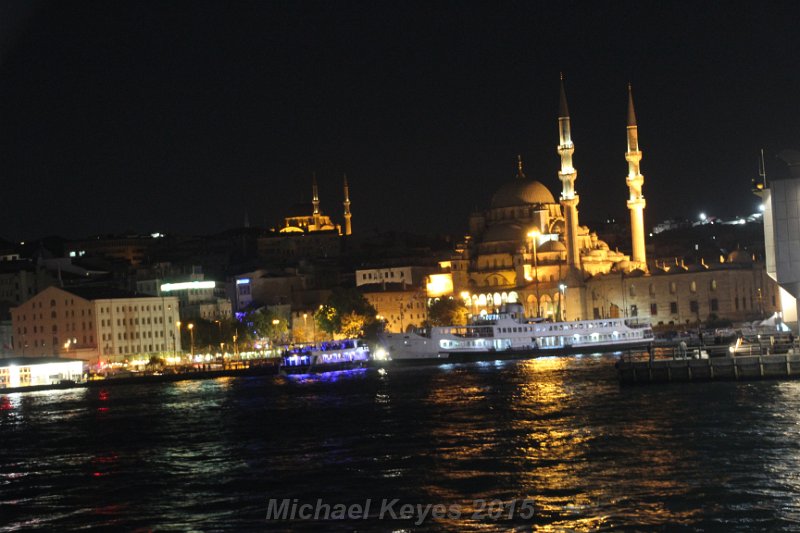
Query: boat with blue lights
x=507, y=334
x=325, y=357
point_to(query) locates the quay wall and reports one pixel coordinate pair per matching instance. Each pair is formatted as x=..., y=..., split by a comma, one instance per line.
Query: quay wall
x=739, y=368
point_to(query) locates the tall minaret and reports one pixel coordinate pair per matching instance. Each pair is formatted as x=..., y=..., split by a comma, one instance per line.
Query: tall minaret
x=567, y=175
x=348, y=229
x=635, y=180
x=315, y=199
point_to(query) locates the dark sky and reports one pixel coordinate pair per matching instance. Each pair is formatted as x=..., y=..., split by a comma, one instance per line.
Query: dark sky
x=177, y=116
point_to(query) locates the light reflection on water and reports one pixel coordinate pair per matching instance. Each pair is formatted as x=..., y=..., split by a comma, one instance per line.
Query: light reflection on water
x=207, y=454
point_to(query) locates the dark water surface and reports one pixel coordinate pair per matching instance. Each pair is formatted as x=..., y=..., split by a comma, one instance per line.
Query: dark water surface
x=207, y=455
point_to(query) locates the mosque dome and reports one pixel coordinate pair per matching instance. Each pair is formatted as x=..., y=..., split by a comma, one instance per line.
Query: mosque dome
x=505, y=231
x=552, y=246
x=520, y=192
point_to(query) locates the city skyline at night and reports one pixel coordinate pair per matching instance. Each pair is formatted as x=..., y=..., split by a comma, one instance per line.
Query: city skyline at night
x=151, y=117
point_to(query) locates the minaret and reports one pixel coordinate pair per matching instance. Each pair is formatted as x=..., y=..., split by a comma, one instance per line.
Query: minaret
x=567, y=175
x=635, y=180
x=315, y=200
x=348, y=229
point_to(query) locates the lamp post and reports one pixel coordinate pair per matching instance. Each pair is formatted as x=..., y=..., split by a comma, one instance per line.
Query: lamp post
x=562, y=303
x=534, y=236
x=275, y=323
x=191, y=335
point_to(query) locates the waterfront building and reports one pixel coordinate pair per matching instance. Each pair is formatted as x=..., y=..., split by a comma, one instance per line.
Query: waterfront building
x=99, y=324
x=400, y=305
x=781, y=201
x=737, y=289
x=32, y=371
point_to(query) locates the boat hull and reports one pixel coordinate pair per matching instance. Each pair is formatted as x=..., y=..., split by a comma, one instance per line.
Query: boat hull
x=322, y=368
x=504, y=355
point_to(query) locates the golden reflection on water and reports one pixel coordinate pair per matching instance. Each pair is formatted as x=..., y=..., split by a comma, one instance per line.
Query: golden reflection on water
x=551, y=450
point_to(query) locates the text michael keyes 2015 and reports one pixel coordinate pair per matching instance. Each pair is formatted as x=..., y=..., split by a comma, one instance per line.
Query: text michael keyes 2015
x=392, y=509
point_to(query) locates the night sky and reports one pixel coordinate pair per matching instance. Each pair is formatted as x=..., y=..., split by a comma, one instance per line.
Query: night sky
x=178, y=117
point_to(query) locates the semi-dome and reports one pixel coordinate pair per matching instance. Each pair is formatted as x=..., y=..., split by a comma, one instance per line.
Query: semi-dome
x=505, y=231
x=522, y=191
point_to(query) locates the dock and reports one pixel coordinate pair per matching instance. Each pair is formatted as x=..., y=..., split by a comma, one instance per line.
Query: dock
x=730, y=368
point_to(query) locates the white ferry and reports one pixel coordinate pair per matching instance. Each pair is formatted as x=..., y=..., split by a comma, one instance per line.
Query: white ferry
x=509, y=335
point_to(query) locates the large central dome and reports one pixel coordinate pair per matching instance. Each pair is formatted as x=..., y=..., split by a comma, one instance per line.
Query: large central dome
x=522, y=191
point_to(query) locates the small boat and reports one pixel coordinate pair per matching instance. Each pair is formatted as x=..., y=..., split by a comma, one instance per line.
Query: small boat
x=325, y=357
x=507, y=334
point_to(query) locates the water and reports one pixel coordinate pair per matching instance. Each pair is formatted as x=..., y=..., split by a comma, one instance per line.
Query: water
x=207, y=455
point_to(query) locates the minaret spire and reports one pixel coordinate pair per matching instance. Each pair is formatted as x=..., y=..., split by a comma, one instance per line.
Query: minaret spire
x=315, y=201
x=520, y=172
x=567, y=175
x=314, y=193
x=347, y=216
x=635, y=180
x=631, y=110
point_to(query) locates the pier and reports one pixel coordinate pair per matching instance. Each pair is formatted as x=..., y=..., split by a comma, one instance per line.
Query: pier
x=738, y=368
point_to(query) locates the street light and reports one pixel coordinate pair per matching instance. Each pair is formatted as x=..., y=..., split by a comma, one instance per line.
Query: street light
x=191, y=335
x=534, y=236
x=275, y=322
x=562, y=303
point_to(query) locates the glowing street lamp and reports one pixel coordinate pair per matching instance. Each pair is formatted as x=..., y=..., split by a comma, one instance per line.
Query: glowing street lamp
x=191, y=335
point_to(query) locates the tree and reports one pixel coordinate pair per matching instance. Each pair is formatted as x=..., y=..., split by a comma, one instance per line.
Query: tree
x=347, y=313
x=266, y=324
x=448, y=312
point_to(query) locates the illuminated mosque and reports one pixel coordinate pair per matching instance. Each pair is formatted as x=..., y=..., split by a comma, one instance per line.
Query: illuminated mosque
x=300, y=220
x=529, y=247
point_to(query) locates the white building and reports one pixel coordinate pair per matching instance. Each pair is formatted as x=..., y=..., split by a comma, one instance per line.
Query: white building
x=98, y=324
x=409, y=275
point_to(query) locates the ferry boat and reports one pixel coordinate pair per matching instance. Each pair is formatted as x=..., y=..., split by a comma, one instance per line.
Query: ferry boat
x=325, y=357
x=509, y=335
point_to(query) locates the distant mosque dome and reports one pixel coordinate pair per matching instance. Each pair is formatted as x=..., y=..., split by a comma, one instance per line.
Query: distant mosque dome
x=521, y=192
x=552, y=246
x=504, y=231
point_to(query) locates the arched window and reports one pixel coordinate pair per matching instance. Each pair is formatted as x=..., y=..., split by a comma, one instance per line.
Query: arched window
x=52, y=303
x=632, y=290
x=713, y=284
x=693, y=286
